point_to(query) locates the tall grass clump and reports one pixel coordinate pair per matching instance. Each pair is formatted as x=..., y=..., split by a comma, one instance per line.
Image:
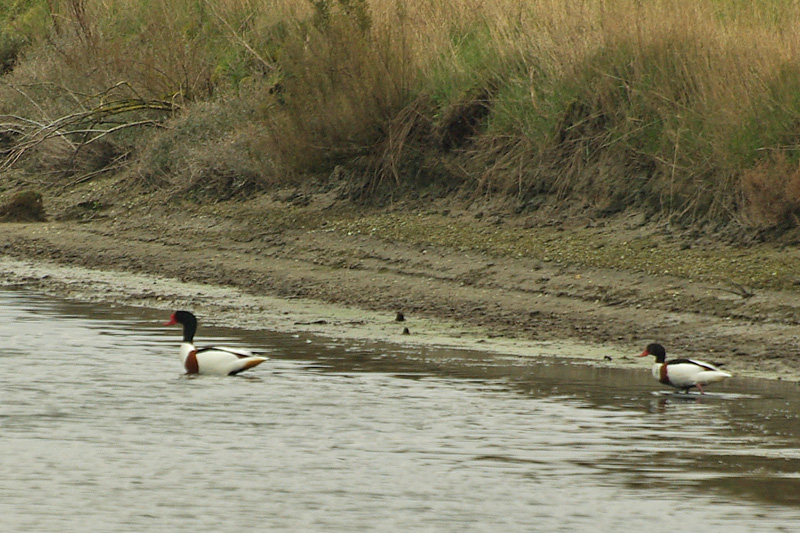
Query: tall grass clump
x=686, y=110
x=640, y=107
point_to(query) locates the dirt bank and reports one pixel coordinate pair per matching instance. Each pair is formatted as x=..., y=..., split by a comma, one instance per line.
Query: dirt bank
x=294, y=260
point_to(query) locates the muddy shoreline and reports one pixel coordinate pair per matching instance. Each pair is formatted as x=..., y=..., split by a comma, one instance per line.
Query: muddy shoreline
x=271, y=264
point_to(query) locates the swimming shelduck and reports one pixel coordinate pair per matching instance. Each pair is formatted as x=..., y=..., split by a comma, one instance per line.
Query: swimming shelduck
x=683, y=374
x=215, y=360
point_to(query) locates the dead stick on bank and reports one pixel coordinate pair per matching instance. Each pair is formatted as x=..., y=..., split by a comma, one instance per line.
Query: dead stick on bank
x=28, y=133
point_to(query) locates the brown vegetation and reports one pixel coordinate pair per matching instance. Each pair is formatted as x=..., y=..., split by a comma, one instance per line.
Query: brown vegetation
x=673, y=107
x=772, y=193
x=23, y=206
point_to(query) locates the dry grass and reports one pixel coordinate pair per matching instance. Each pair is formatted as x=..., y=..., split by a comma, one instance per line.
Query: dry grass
x=771, y=192
x=669, y=105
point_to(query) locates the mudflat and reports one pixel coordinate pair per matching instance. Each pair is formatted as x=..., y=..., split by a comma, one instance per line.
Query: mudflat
x=594, y=289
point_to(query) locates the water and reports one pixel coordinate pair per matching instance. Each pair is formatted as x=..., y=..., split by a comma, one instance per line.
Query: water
x=100, y=431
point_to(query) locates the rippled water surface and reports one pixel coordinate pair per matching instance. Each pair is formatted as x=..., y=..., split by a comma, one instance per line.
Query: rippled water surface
x=101, y=431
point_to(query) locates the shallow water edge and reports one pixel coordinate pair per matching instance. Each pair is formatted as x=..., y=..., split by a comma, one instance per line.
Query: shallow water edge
x=231, y=307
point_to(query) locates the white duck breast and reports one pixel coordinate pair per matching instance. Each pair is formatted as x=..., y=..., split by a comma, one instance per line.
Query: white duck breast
x=688, y=373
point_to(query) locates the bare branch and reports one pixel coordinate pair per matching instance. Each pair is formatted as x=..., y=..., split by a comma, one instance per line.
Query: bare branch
x=93, y=122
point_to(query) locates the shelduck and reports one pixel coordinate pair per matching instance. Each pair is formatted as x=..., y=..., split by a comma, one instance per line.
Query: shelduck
x=683, y=374
x=214, y=360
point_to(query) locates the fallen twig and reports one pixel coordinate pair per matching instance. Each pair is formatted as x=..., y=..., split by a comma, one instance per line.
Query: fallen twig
x=737, y=289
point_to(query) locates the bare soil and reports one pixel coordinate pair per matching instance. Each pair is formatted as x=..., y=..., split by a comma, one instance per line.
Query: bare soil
x=469, y=278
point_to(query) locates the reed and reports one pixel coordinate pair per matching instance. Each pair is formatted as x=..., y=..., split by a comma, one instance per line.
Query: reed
x=686, y=109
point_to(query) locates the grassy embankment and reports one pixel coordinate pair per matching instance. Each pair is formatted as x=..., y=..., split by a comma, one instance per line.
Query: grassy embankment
x=686, y=110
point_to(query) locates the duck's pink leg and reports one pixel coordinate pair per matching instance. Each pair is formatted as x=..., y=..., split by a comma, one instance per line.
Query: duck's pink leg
x=699, y=388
